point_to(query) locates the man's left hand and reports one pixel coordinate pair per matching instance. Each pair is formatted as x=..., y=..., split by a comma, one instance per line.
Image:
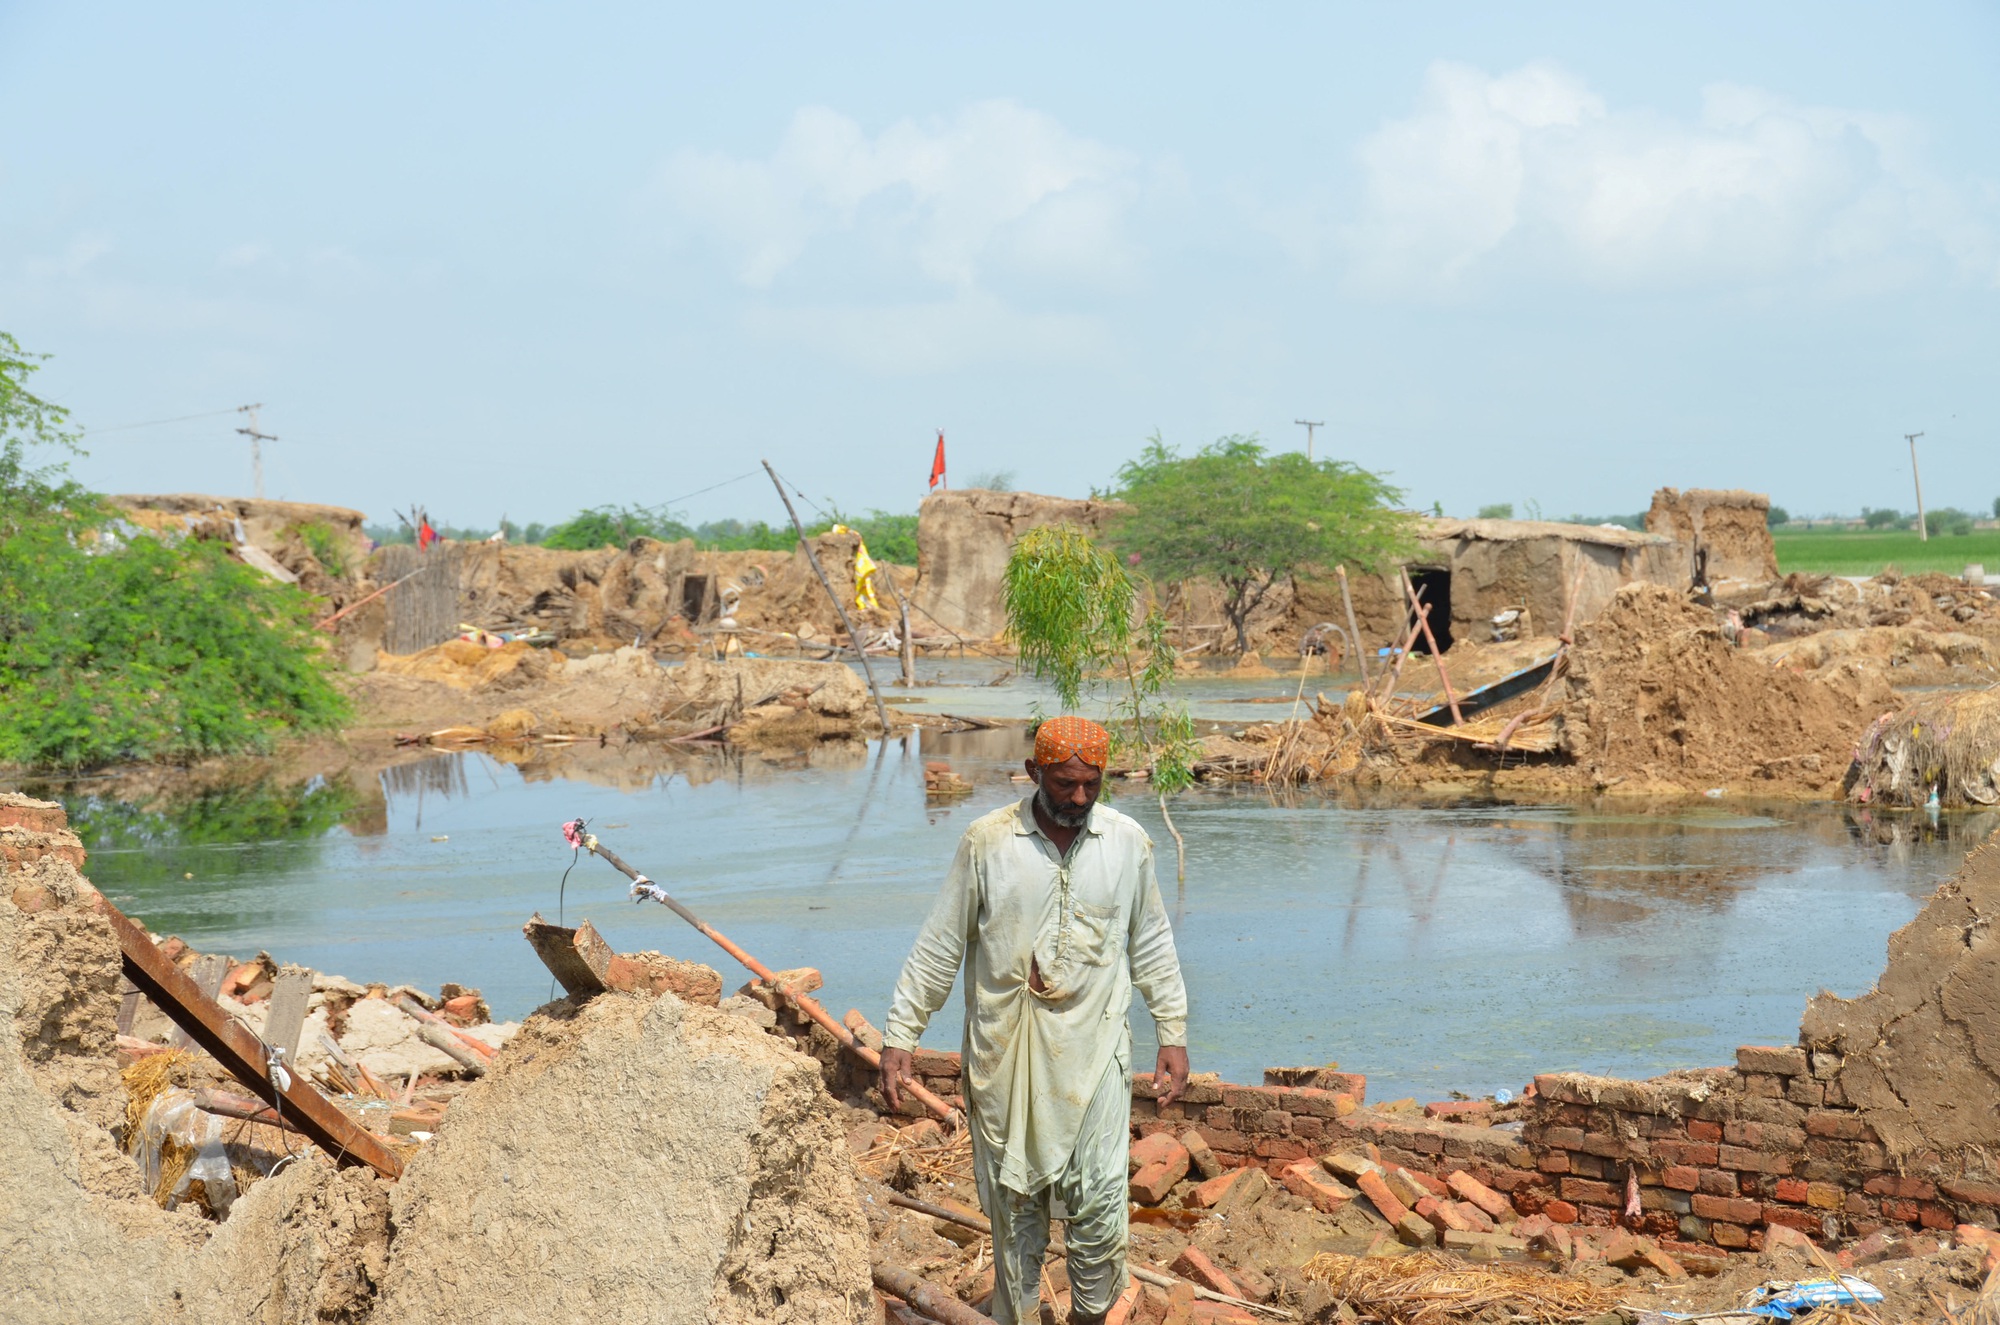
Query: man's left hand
x=1173, y=1065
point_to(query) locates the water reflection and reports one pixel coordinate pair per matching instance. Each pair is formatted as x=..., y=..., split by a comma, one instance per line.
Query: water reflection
x=1434, y=944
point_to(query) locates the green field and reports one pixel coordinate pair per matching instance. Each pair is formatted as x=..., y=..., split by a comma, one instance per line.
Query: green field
x=1869, y=552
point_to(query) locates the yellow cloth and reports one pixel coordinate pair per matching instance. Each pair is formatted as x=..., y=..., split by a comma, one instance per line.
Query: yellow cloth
x=864, y=569
x=1094, y=924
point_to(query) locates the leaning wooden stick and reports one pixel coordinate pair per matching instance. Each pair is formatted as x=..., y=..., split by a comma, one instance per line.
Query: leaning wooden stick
x=645, y=888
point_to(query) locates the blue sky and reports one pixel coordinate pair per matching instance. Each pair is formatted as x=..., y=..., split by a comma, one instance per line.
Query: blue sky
x=528, y=259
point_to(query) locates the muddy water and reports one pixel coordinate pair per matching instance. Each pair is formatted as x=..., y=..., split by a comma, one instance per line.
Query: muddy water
x=1434, y=946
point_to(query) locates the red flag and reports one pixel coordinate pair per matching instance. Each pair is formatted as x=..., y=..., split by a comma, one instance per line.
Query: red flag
x=425, y=535
x=937, y=461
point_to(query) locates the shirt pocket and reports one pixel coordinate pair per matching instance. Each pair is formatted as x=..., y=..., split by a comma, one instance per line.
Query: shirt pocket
x=1094, y=933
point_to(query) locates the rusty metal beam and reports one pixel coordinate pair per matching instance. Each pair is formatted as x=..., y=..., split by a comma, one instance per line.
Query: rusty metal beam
x=241, y=1053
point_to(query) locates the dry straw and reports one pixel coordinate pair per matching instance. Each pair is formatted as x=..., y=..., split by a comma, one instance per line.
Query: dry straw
x=1426, y=1288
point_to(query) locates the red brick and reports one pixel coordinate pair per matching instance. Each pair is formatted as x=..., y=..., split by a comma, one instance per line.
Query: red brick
x=1734, y=1209
x=1562, y=1138
x=1556, y=1161
x=1805, y=1221
x=1584, y=1191
x=1560, y=1212
x=1700, y=1154
x=1933, y=1215
x=1273, y=1122
x=1680, y=1177
x=36, y=817
x=1435, y=1186
x=1308, y=1129
x=1839, y=1126
x=1481, y=1221
x=1792, y=1189
x=1700, y=1129
x=1970, y=1192
x=1824, y=1196
x=1150, y=1185
x=1208, y=1193
x=1318, y=1103
x=1763, y=1085
x=1909, y=1189
x=1442, y=1215
x=1596, y=1216
x=1740, y=1133
x=1282, y=1148
x=1729, y=1235
x=1376, y=1190
x=1471, y=1189
x=1513, y=1180
x=1306, y=1179
x=1154, y=1149
x=1191, y=1264
x=1903, y=1212
x=1256, y=1099
x=1604, y=1144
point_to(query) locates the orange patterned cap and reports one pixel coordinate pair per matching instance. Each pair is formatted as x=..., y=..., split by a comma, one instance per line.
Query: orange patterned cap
x=1059, y=738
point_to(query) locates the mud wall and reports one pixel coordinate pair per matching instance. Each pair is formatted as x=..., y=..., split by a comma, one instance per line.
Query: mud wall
x=1731, y=524
x=264, y=522
x=1496, y=565
x=963, y=537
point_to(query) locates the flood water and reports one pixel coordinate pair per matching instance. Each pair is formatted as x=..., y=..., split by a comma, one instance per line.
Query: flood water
x=1435, y=946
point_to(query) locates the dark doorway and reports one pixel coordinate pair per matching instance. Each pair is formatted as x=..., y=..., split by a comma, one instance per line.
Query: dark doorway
x=1433, y=588
x=697, y=593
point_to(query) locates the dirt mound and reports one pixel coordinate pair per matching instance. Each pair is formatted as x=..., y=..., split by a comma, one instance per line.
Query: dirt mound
x=1887, y=646
x=467, y=666
x=1922, y=1048
x=656, y=1160
x=307, y=1246
x=1656, y=695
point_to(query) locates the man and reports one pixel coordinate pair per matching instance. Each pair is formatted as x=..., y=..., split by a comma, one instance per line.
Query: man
x=1053, y=908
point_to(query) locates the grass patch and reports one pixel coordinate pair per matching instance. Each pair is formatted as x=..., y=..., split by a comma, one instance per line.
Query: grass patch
x=1869, y=552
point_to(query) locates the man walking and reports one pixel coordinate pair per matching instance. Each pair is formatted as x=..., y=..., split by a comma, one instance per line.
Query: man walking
x=1052, y=907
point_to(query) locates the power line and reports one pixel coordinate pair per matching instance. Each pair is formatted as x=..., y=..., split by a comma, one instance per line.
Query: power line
x=710, y=488
x=155, y=423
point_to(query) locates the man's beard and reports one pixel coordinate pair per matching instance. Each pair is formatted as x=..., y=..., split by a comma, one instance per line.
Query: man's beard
x=1059, y=817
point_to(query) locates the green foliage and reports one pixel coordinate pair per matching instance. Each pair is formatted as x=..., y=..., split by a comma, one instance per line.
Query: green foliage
x=115, y=645
x=615, y=526
x=993, y=480
x=324, y=543
x=1948, y=520
x=1248, y=518
x=1882, y=517
x=1499, y=510
x=1996, y=508
x=1776, y=516
x=1069, y=607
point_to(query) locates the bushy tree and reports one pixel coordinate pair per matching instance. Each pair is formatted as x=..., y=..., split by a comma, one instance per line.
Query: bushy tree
x=1069, y=612
x=1499, y=510
x=1948, y=520
x=1776, y=516
x=1248, y=519
x=115, y=644
x=1883, y=517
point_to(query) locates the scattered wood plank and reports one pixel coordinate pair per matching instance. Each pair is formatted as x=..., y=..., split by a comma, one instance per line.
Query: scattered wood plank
x=286, y=1020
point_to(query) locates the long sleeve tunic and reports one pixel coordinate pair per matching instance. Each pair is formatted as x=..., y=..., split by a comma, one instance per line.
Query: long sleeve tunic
x=1094, y=925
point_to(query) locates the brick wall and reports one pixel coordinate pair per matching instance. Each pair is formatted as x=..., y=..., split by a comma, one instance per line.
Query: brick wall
x=1717, y=1155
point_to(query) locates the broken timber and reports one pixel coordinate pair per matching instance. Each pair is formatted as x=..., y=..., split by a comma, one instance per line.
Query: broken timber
x=241, y=1053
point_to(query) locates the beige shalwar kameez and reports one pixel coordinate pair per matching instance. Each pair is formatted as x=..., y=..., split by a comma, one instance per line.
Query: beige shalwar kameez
x=1047, y=1075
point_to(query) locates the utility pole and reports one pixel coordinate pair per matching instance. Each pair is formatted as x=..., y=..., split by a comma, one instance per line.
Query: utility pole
x=1923, y=533
x=1309, y=425
x=257, y=440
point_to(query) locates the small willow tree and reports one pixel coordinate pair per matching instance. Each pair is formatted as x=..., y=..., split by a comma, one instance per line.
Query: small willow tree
x=1069, y=611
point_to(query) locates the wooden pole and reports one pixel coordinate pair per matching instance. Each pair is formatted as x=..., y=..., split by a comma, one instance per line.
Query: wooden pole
x=1423, y=611
x=854, y=636
x=907, y=654
x=1353, y=631
x=929, y=1299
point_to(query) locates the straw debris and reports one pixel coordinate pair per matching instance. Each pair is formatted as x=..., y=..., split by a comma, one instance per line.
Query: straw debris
x=1428, y=1288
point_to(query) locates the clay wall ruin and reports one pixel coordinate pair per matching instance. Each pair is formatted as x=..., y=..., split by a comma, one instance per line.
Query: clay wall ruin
x=1731, y=524
x=963, y=537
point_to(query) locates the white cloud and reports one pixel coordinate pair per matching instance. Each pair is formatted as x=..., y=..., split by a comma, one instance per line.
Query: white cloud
x=1532, y=167
x=998, y=188
x=936, y=336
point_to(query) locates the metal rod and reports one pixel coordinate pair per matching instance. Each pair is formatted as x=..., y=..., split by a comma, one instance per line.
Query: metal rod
x=804, y=1002
x=853, y=635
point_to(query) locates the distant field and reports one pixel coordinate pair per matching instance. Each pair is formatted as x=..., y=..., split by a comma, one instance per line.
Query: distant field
x=1868, y=553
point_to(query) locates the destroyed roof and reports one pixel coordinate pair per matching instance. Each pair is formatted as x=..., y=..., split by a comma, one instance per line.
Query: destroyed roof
x=1516, y=531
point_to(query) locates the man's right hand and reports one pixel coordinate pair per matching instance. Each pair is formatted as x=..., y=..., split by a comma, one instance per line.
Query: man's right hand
x=896, y=1066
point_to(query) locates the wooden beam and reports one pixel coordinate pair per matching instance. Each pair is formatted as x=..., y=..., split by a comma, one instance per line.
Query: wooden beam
x=241, y=1053
x=286, y=1020
x=567, y=953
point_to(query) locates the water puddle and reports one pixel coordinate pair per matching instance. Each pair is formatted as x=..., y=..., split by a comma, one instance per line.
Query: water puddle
x=1433, y=945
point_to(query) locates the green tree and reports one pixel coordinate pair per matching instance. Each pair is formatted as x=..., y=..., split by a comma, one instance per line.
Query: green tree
x=1882, y=517
x=615, y=526
x=1499, y=510
x=1948, y=520
x=115, y=644
x=1069, y=612
x=1776, y=516
x=1248, y=519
